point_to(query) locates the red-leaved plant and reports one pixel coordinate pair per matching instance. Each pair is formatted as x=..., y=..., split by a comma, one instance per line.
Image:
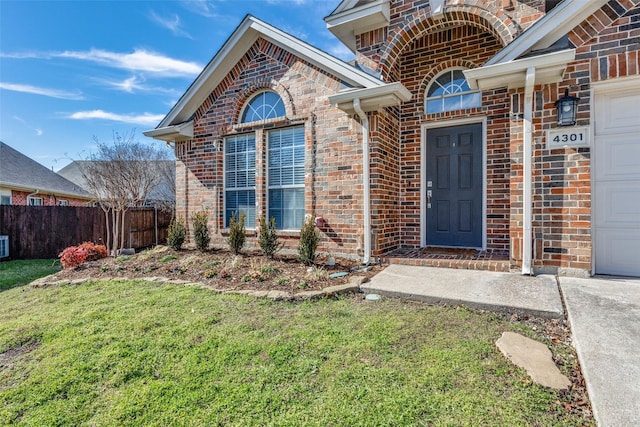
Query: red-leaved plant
x=94, y=251
x=72, y=257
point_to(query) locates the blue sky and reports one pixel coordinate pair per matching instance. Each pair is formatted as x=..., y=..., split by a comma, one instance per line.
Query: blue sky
x=74, y=70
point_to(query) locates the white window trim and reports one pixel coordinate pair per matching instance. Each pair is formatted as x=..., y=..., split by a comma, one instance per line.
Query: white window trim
x=6, y=193
x=250, y=100
x=224, y=180
x=31, y=199
x=433, y=82
x=63, y=202
x=284, y=187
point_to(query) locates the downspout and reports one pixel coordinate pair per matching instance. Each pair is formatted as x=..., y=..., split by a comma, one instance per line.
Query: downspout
x=365, y=181
x=527, y=241
x=32, y=194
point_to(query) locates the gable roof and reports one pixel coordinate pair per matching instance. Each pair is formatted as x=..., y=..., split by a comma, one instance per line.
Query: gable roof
x=19, y=172
x=164, y=191
x=176, y=122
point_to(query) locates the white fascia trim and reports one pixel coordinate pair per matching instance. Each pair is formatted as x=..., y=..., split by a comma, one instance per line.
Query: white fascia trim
x=236, y=46
x=344, y=5
x=43, y=191
x=548, y=29
x=372, y=99
x=549, y=69
x=172, y=133
x=345, y=25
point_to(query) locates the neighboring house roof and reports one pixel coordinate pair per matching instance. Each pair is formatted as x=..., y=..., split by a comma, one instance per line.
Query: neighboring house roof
x=164, y=191
x=177, y=123
x=19, y=172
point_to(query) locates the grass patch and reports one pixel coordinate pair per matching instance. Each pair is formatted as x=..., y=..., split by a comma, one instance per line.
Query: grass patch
x=140, y=353
x=168, y=258
x=21, y=272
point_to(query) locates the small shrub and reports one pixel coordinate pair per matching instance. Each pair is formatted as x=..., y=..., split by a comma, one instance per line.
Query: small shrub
x=212, y=264
x=269, y=269
x=167, y=258
x=302, y=285
x=210, y=274
x=246, y=278
x=176, y=270
x=268, y=237
x=177, y=234
x=317, y=273
x=309, y=238
x=104, y=268
x=201, y=230
x=282, y=281
x=123, y=258
x=236, y=262
x=94, y=252
x=225, y=274
x=72, y=257
x=150, y=269
x=237, y=233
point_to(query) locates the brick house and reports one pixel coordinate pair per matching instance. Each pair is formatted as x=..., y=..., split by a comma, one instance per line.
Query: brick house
x=25, y=182
x=441, y=141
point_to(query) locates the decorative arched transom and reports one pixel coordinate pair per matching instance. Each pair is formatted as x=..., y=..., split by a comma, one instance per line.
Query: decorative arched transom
x=265, y=105
x=449, y=91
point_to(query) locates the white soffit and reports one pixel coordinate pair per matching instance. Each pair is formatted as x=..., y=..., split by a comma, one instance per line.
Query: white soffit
x=549, y=69
x=173, y=133
x=346, y=24
x=236, y=46
x=372, y=99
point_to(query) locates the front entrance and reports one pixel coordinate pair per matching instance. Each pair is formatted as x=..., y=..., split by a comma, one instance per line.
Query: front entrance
x=454, y=187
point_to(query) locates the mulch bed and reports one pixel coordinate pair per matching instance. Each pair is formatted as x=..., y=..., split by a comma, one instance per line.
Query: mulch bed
x=221, y=269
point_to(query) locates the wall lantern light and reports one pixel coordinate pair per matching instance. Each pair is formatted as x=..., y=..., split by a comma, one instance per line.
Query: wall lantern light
x=567, y=108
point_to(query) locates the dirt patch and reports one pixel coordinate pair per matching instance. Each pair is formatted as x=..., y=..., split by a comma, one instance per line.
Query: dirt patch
x=221, y=269
x=10, y=355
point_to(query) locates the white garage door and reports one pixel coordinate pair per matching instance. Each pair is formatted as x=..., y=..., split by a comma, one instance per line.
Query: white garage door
x=617, y=181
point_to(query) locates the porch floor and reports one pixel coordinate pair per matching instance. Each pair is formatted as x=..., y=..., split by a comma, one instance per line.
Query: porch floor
x=468, y=259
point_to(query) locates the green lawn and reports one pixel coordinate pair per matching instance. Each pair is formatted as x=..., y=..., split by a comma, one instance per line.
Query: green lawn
x=21, y=272
x=139, y=353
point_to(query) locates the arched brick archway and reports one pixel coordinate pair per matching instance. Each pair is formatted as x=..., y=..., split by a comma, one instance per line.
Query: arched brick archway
x=422, y=23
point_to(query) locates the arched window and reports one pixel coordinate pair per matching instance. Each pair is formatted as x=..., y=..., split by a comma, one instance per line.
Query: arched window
x=265, y=105
x=450, y=91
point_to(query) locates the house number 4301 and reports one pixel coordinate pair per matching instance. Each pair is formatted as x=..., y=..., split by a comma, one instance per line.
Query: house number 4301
x=568, y=137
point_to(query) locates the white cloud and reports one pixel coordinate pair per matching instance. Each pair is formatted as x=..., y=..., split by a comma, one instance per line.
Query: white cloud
x=146, y=119
x=52, y=93
x=135, y=84
x=139, y=60
x=341, y=51
x=173, y=24
x=39, y=132
x=204, y=8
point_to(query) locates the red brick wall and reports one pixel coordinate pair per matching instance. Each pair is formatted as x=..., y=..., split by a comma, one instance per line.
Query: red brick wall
x=19, y=198
x=333, y=183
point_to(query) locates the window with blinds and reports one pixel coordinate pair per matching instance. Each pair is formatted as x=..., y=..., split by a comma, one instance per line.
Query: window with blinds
x=240, y=178
x=286, y=177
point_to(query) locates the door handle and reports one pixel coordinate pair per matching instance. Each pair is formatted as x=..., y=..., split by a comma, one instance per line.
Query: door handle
x=429, y=195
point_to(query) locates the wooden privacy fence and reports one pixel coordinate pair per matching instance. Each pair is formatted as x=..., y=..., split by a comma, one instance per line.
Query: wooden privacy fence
x=44, y=231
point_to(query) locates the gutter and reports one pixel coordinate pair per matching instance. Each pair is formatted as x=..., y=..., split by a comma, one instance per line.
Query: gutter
x=365, y=180
x=527, y=147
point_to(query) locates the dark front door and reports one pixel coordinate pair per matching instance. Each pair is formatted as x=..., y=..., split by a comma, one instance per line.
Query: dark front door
x=454, y=186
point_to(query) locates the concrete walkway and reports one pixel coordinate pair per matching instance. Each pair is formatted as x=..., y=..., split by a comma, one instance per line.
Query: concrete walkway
x=485, y=290
x=605, y=322
x=604, y=317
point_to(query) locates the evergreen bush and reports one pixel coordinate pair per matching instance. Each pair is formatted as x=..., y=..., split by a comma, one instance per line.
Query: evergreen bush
x=237, y=233
x=309, y=238
x=268, y=237
x=177, y=234
x=200, y=230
